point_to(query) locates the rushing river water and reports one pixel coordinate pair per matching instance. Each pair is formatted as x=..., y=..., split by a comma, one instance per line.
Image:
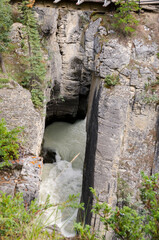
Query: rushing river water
x=63, y=177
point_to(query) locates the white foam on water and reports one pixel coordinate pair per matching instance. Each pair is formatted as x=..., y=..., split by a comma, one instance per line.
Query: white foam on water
x=64, y=177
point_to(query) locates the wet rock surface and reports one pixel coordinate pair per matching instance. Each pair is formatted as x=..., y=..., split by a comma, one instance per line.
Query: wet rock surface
x=48, y=155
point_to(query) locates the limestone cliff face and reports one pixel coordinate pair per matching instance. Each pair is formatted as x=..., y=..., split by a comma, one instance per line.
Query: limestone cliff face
x=72, y=60
x=127, y=138
x=127, y=124
x=126, y=142
x=122, y=121
x=18, y=110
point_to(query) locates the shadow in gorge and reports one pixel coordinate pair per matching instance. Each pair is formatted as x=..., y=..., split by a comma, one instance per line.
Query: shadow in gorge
x=89, y=163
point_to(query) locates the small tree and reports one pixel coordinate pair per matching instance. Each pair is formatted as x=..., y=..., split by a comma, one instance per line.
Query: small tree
x=35, y=72
x=5, y=24
x=124, y=20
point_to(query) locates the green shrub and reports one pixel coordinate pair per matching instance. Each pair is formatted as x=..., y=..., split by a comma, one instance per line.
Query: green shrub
x=127, y=224
x=12, y=214
x=151, y=92
x=111, y=80
x=124, y=20
x=9, y=144
x=37, y=97
x=84, y=232
x=149, y=98
x=152, y=86
x=130, y=224
x=3, y=82
x=150, y=199
x=19, y=222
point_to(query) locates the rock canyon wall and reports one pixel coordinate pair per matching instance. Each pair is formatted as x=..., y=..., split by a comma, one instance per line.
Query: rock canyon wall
x=122, y=120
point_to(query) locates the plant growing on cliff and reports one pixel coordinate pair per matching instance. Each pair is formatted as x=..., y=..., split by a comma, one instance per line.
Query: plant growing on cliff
x=20, y=222
x=16, y=221
x=9, y=144
x=124, y=20
x=3, y=82
x=124, y=193
x=128, y=223
x=111, y=80
x=151, y=92
x=151, y=98
x=85, y=232
x=150, y=199
x=35, y=71
x=5, y=24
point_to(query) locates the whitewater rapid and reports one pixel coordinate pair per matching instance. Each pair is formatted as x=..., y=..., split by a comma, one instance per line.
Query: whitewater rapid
x=63, y=177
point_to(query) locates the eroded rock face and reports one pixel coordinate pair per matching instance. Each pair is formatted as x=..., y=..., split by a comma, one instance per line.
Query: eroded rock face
x=121, y=125
x=18, y=110
x=126, y=127
x=72, y=54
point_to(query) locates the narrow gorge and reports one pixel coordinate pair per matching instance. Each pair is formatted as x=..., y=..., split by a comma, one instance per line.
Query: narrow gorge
x=110, y=129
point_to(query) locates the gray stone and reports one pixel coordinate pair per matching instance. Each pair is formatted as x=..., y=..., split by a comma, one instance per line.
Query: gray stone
x=24, y=176
x=126, y=126
x=142, y=51
x=114, y=56
x=92, y=30
x=18, y=111
x=47, y=18
x=122, y=130
x=71, y=64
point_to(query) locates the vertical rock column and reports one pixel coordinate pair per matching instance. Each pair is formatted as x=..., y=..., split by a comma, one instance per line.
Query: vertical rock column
x=126, y=138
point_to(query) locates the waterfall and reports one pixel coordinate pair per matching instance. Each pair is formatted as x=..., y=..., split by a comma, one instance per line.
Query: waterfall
x=63, y=177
